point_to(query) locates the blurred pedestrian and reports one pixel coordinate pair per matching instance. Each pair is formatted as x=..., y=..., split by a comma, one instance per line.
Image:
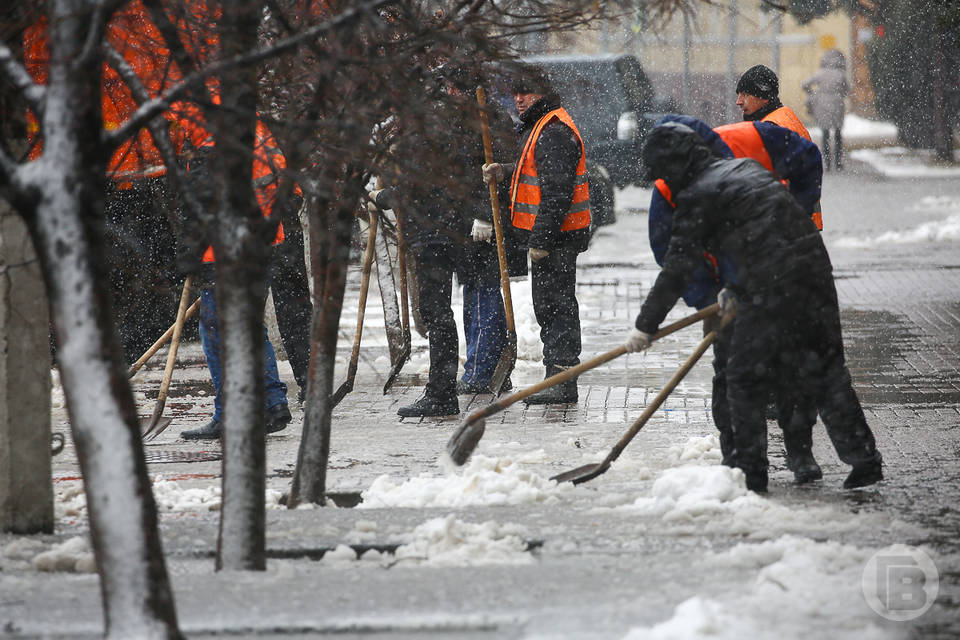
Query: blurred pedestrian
x=786, y=330
x=550, y=204
x=827, y=88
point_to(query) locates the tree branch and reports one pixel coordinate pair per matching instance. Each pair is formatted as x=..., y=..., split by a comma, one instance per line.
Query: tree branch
x=159, y=132
x=151, y=108
x=33, y=93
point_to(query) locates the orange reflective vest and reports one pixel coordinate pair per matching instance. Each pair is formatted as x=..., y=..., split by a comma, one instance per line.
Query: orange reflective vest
x=135, y=37
x=268, y=161
x=745, y=142
x=525, y=186
x=786, y=118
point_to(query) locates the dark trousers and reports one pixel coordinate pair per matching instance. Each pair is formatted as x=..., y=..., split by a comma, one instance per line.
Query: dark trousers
x=485, y=329
x=790, y=341
x=796, y=423
x=554, y=285
x=838, y=149
x=291, y=299
x=435, y=268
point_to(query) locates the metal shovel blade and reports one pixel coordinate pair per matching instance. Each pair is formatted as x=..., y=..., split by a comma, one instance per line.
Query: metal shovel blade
x=402, y=358
x=508, y=359
x=151, y=428
x=465, y=439
x=581, y=474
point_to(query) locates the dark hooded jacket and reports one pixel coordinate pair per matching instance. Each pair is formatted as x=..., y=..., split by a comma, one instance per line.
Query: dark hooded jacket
x=442, y=213
x=557, y=154
x=734, y=208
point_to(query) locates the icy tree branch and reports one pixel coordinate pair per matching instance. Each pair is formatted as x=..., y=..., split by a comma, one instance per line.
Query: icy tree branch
x=18, y=76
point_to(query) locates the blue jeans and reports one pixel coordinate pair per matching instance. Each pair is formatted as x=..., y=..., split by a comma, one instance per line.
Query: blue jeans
x=484, y=328
x=276, y=391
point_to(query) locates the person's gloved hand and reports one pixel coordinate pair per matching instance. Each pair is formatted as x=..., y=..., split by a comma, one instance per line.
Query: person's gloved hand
x=727, y=300
x=637, y=341
x=537, y=254
x=372, y=206
x=481, y=231
x=492, y=172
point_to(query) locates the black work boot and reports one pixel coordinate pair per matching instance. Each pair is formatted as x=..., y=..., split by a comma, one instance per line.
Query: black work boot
x=472, y=388
x=804, y=466
x=863, y=474
x=562, y=393
x=278, y=416
x=213, y=430
x=756, y=480
x=429, y=406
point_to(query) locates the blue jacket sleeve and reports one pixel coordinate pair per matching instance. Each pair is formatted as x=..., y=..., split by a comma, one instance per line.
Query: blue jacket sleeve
x=796, y=160
x=702, y=288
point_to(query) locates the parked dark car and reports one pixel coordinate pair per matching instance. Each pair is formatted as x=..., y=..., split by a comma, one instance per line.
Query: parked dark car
x=613, y=104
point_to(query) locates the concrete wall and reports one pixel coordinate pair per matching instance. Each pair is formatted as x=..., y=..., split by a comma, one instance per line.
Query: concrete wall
x=26, y=491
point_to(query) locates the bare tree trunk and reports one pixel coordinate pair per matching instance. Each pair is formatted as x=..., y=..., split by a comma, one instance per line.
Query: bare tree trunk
x=61, y=195
x=330, y=227
x=242, y=247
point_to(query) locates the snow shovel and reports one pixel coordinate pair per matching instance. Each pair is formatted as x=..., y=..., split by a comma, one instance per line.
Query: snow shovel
x=591, y=471
x=388, y=296
x=465, y=439
x=157, y=423
x=508, y=358
x=404, y=354
x=347, y=385
x=162, y=340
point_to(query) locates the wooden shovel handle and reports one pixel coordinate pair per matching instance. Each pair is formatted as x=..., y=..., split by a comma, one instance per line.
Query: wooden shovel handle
x=171, y=356
x=364, y=288
x=572, y=372
x=495, y=206
x=162, y=340
x=660, y=398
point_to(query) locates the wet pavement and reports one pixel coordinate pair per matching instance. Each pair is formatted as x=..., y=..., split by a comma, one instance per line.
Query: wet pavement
x=594, y=572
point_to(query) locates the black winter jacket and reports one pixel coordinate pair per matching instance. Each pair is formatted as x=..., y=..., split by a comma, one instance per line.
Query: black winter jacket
x=735, y=208
x=557, y=154
x=442, y=213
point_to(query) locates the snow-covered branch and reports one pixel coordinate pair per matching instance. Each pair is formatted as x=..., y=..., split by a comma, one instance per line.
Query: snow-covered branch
x=32, y=92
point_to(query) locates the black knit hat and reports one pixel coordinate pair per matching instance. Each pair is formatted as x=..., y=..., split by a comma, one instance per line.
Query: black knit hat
x=529, y=78
x=759, y=81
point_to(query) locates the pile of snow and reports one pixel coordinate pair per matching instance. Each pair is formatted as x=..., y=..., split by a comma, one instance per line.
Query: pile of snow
x=827, y=574
x=170, y=496
x=899, y=162
x=859, y=132
x=698, y=495
x=73, y=555
x=451, y=542
x=70, y=556
x=18, y=554
x=945, y=230
x=484, y=481
x=438, y=542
